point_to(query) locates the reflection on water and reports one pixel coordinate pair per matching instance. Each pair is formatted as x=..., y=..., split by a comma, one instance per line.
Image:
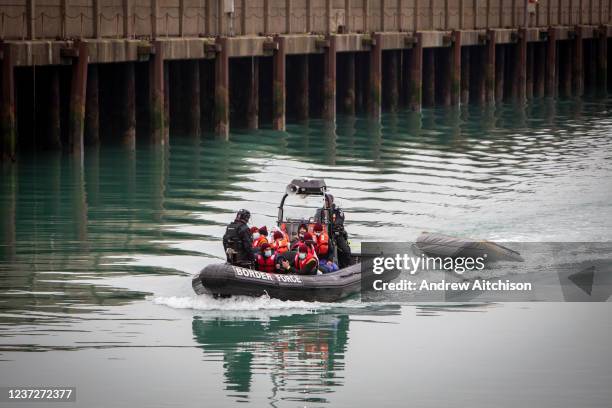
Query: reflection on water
x=83, y=245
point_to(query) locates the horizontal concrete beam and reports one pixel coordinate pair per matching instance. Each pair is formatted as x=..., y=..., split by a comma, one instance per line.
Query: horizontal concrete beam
x=42, y=52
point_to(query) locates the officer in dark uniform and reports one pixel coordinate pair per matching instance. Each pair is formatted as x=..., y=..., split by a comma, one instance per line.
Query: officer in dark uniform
x=338, y=232
x=237, y=240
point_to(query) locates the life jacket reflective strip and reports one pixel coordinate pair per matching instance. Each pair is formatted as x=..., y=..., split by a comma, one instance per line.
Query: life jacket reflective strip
x=280, y=245
x=322, y=242
x=266, y=264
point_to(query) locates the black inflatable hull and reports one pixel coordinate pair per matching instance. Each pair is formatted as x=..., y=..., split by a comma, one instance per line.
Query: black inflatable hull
x=227, y=280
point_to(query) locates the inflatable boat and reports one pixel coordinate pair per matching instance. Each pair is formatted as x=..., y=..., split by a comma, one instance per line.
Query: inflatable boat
x=225, y=279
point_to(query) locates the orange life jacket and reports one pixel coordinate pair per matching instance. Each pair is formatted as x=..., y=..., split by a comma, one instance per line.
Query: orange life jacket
x=259, y=241
x=280, y=245
x=266, y=264
x=322, y=243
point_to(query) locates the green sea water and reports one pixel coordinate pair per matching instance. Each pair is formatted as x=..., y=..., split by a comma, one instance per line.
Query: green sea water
x=96, y=261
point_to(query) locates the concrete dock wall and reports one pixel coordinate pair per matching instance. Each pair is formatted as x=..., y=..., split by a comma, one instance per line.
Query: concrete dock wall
x=66, y=19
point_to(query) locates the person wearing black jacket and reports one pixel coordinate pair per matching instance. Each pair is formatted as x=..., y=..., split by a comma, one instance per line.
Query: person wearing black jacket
x=339, y=234
x=237, y=241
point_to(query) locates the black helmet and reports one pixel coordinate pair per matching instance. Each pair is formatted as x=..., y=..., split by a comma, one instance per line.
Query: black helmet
x=244, y=215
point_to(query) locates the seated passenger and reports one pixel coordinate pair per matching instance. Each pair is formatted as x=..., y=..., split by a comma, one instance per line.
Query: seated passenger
x=305, y=262
x=279, y=243
x=282, y=265
x=259, y=237
x=327, y=266
x=295, y=241
x=321, y=240
x=266, y=261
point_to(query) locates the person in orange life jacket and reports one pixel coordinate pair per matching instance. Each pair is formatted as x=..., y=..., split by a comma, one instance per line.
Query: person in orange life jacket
x=266, y=260
x=260, y=237
x=279, y=243
x=321, y=240
x=304, y=262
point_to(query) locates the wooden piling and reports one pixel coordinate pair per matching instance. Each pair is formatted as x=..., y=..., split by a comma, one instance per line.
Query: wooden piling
x=349, y=78
x=429, y=77
x=157, y=95
x=415, y=82
x=92, y=107
x=477, y=75
x=303, y=105
x=392, y=80
x=539, y=65
x=602, y=59
x=565, y=71
x=375, y=94
x=529, y=74
x=490, y=68
x=500, y=73
x=9, y=125
x=78, y=91
x=253, y=95
x=577, y=62
x=279, y=90
x=54, y=139
x=128, y=106
x=192, y=98
x=551, y=63
x=222, y=107
x=455, y=80
x=465, y=75
x=519, y=80
x=329, y=80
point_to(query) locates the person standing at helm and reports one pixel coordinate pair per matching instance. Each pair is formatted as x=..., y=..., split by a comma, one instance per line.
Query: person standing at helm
x=339, y=234
x=237, y=240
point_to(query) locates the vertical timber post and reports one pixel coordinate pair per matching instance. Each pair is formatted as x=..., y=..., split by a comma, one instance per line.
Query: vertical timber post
x=55, y=130
x=349, y=74
x=465, y=75
x=490, y=67
x=539, y=66
x=329, y=82
x=375, y=94
x=9, y=128
x=577, y=63
x=520, y=66
x=253, y=95
x=456, y=68
x=31, y=20
x=551, y=63
x=303, y=94
x=500, y=73
x=192, y=98
x=529, y=67
x=78, y=89
x=96, y=16
x=222, y=89
x=128, y=114
x=602, y=59
x=156, y=94
x=393, y=80
x=279, y=90
x=415, y=82
x=92, y=110
x=429, y=77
